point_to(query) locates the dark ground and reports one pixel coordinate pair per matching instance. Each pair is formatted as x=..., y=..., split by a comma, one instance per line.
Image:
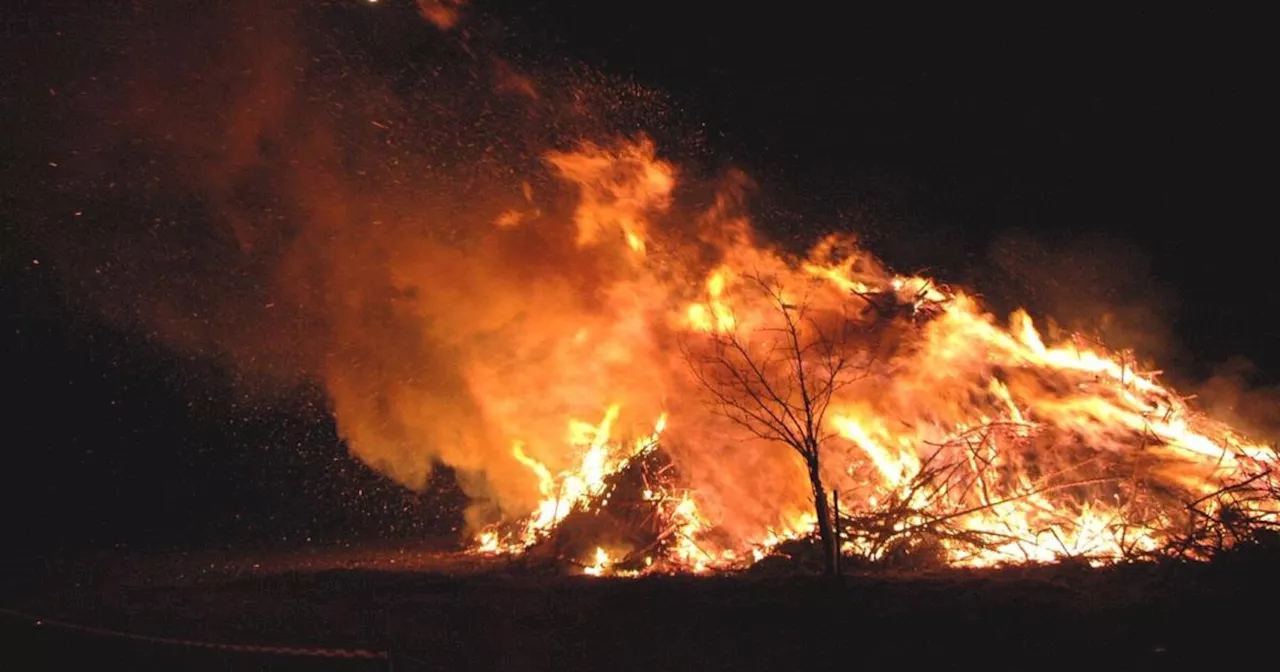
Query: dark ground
x=434, y=610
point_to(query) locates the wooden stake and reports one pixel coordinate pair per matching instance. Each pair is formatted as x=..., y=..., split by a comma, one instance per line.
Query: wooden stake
x=835, y=505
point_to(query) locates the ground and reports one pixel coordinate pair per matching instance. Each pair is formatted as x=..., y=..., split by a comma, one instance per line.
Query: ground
x=438, y=610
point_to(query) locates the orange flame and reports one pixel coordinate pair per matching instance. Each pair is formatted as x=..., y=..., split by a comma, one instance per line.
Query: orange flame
x=535, y=340
x=1043, y=450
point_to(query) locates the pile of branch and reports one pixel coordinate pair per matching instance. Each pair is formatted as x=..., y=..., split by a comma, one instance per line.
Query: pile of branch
x=932, y=513
x=632, y=526
x=1228, y=518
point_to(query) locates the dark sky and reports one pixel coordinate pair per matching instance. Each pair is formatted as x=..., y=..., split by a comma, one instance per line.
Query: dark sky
x=1138, y=145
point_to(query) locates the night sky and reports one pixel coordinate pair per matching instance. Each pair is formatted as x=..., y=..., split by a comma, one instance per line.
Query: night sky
x=1126, y=158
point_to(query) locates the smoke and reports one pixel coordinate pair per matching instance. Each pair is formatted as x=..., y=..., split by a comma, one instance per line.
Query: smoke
x=1087, y=283
x=1232, y=395
x=454, y=252
x=254, y=196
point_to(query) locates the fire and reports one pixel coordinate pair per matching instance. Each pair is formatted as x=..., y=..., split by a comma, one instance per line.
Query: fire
x=617, y=190
x=601, y=563
x=498, y=284
x=573, y=488
x=992, y=443
x=534, y=320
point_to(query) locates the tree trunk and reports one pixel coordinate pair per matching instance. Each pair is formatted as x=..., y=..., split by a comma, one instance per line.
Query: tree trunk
x=826, y=527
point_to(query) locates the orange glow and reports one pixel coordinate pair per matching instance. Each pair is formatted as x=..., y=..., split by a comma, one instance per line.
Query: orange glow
x=1042, y=450
x=484, y=277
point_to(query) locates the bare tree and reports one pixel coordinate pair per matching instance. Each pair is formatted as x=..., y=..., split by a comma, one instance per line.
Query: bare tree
x=777, y=379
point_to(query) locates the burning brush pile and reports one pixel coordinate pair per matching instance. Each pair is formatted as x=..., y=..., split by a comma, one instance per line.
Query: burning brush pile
x=622, y=373
x=888, y=416
x=1070, y=453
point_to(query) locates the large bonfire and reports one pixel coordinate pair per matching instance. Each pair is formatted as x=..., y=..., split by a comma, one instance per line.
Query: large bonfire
x=618, y=368
x=942, y=429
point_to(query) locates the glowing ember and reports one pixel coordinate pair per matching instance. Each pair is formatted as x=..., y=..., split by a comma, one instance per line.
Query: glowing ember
x=600, y=565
